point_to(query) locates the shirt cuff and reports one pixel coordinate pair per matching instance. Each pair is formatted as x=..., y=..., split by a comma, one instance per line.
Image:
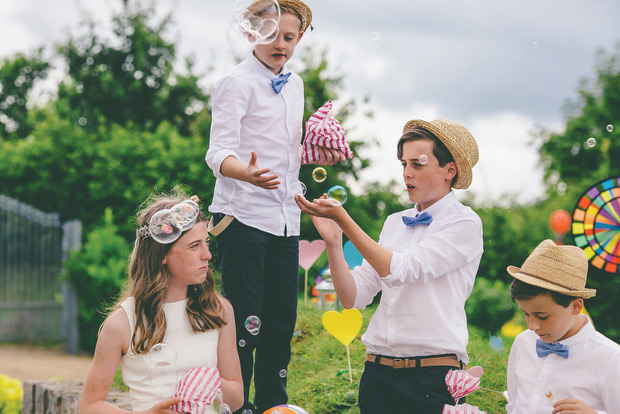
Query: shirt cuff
x=392, y=280
x=218, y=159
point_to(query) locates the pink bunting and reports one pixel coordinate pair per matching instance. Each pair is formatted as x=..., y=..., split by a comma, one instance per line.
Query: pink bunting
x=323, y=130
x=460, y=383
x=197, y=389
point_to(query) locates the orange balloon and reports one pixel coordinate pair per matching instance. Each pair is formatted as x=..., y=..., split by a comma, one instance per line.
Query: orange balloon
x=560, y=221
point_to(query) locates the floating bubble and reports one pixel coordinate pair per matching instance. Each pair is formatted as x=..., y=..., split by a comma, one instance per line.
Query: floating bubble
x=423, y=159
x=224, y=409
x=319, y=174
x=282, y=373
x=575, y=149
x=253, y=23
x=337, y=193
x=241, y=343
x=162, y=354
x=247, y=411
x=591, y=142
x=163, y=227
x=610, y=128
x=496, y=343
x=535, y=45
x=298, y=188
x=252, y=324
x=375, y=39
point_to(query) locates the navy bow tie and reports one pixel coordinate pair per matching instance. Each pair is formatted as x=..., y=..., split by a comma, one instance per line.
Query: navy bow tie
x=543, y=349
x=278, y=82
x=423, y=219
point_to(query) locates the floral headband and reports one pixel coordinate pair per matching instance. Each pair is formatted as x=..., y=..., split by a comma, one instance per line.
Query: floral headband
x=166, y=225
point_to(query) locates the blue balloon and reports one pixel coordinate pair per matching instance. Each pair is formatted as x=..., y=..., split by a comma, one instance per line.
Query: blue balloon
x=496, y=343
x=351, y=255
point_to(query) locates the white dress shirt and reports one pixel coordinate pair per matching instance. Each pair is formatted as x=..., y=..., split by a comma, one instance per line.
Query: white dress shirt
x=590, y=373
x=432, y=272
x=249, y=116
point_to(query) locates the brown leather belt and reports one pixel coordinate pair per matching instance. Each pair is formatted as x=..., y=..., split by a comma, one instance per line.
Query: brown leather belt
x=417, y=362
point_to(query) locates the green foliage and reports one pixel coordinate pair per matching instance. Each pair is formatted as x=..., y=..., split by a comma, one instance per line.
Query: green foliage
x=11, y=395
x=489, y=305
x=97, y=272
x=17, y=78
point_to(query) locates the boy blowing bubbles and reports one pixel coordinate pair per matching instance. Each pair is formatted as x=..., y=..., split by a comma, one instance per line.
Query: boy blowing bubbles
x=561, y=355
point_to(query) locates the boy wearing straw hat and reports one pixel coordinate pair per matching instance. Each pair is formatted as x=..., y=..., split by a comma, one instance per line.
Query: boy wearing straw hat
x=254, y=152
x=561, y=364
x=424, y=265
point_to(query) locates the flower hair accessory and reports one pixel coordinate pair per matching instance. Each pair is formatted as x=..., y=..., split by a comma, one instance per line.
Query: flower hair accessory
x=166, y=225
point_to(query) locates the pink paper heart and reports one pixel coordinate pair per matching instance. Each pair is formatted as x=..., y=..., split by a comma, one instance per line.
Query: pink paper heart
x=309, y=252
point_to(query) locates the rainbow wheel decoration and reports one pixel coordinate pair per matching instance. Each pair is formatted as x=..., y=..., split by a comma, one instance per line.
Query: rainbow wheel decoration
x=596, y=224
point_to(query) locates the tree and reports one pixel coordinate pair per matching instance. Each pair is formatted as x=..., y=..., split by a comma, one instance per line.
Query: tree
x=18, y=76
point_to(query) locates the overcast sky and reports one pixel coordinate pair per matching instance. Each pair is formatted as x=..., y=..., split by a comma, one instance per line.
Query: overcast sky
x=499, y=67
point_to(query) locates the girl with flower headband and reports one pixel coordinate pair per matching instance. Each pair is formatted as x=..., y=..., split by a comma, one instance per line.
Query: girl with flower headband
x=170, y=329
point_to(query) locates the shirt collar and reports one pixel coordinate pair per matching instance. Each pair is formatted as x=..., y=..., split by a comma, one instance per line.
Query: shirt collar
x=261, y=69
x=583, y=335
x=443, y=202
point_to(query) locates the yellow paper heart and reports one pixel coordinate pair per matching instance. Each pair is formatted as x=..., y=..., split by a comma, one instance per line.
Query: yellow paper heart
x=343, y=326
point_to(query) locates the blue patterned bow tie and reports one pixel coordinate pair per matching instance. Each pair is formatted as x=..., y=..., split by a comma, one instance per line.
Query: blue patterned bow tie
x=543, y=349
x=278, y=82
x=423, y=219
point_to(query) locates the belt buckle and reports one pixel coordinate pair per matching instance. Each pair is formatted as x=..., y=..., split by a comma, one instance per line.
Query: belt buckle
x=394, y=361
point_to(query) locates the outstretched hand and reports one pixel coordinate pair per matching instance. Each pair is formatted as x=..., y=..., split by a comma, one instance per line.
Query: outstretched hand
x=256, y=175
x=323, y=214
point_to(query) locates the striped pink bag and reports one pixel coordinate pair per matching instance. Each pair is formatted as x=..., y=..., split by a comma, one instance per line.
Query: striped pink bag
x=462, y=409
x=323, y=130
x=460, y=383
x=197, y=390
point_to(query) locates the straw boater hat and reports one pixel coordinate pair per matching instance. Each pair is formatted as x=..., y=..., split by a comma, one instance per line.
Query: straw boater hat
x=300, y=8
x=562, y=269
x=459, y=142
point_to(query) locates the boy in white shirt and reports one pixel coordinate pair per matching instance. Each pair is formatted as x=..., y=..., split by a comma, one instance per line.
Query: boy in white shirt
x=424, y=264
x=561, y=364
x=257, y=115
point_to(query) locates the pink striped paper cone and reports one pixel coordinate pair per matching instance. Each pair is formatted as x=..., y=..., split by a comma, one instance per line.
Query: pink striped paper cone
x=197, y=390
x=460, y=383
x=462, y=409
x=323, y=130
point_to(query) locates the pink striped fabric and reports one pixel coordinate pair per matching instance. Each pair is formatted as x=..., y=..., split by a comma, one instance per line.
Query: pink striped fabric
x=462, y=409
x=460, y=383
x=323, y=130
x=197, y=389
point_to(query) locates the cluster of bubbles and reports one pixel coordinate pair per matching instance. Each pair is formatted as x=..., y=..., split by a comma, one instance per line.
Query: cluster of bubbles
x=590, y=142
x=253, y=23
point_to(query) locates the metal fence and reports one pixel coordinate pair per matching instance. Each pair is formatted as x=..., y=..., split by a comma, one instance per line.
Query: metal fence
x=35, y=305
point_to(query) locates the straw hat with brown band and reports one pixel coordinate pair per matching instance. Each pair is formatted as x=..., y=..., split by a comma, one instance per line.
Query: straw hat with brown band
x=459, y=142
x=562, y=269
x=300, y=8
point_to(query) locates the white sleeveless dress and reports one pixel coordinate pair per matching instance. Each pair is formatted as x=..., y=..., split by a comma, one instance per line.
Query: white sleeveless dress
x=153, y=377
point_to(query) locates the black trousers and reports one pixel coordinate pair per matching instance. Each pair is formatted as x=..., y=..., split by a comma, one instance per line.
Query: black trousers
x=260, y=278
x=384, y=389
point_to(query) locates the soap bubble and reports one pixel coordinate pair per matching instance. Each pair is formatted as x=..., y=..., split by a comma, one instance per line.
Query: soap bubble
x=423, y=159
x=241, y=343
x=319, y=174
x=610, y=128
x=298, y=188
x=247, y=411
x=282, y=373
x=591, y=142
x=337, y=193
x=253, y=23
x=164, y=227
x=575, y=149
x=252, y=324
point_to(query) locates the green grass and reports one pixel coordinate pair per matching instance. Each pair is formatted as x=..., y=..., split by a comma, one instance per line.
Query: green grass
x=318, y=379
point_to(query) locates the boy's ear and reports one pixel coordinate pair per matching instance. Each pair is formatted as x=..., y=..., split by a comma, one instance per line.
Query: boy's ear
x=300, y=35
x=451, y=171
x=577, y=306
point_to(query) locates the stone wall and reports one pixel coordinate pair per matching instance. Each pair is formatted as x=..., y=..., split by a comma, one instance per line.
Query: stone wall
x=46, y=397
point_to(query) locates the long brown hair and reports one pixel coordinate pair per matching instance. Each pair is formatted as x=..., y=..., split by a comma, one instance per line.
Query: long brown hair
x=149, y=279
